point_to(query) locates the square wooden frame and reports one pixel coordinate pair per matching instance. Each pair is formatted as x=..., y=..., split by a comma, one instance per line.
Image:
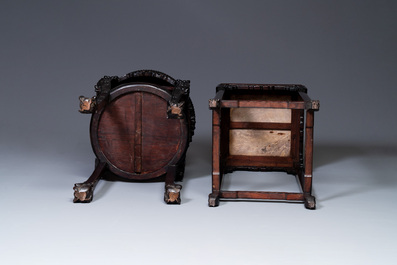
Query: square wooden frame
x=299, y=162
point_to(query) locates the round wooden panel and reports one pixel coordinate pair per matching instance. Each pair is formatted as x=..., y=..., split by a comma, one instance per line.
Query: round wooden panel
x=136, y=137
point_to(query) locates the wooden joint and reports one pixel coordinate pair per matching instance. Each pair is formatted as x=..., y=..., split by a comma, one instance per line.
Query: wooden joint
x=179, y=94
x=313, y=104
x=214, y=103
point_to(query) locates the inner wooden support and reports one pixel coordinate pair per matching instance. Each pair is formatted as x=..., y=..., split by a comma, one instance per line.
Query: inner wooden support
x=138, y=134
x=262, y=195
x=260, y=115
x=260, y=125
x=259, y=162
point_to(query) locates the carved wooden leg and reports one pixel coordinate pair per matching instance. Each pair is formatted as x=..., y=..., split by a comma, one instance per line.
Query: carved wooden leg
x=172, y=190
x=213, y=198
x=310, y=201
x=180, y=171
x=84, y=192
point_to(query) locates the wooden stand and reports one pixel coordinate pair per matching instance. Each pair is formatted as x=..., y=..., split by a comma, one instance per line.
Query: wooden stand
x=261, y=127
x=141, y=126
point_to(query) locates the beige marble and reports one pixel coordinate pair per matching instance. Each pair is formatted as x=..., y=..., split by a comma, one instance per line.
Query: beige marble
x=260, y=142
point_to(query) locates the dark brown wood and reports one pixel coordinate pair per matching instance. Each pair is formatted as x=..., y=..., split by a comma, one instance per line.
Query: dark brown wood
x=236, y=161
x=260, y=125
x=214, y=103
x=141, y=127
x=262, y=104
x=278, y=143
x=295, y=137
x=261, y=87
x=215, y=151
x=138, y=133
x=262, y=195
x=84, y=192
x=309, y=104
x=172, y=190
x=307, y=185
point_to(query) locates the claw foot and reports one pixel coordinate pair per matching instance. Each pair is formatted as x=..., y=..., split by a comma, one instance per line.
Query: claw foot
x=83, y=192
x=172, y=194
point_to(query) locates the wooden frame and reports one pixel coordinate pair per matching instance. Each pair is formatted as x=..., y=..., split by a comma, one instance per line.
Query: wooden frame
x=297, y=141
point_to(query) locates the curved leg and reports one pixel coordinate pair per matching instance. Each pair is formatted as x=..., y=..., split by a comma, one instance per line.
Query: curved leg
x=180, y=171
x=84, y=192
x=172, y=194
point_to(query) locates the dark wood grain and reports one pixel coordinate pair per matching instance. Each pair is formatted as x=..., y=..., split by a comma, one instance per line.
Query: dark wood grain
x=138, y=133
x=260, y=125
x=260, y=195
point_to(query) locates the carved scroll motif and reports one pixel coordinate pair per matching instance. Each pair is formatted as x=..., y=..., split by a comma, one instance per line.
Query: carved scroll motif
x=177, y=101
x=83, y=192
x=87, y=105
x=172, y=194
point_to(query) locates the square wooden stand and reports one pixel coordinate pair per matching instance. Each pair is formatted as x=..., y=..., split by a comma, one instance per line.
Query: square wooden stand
x=262, y=127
